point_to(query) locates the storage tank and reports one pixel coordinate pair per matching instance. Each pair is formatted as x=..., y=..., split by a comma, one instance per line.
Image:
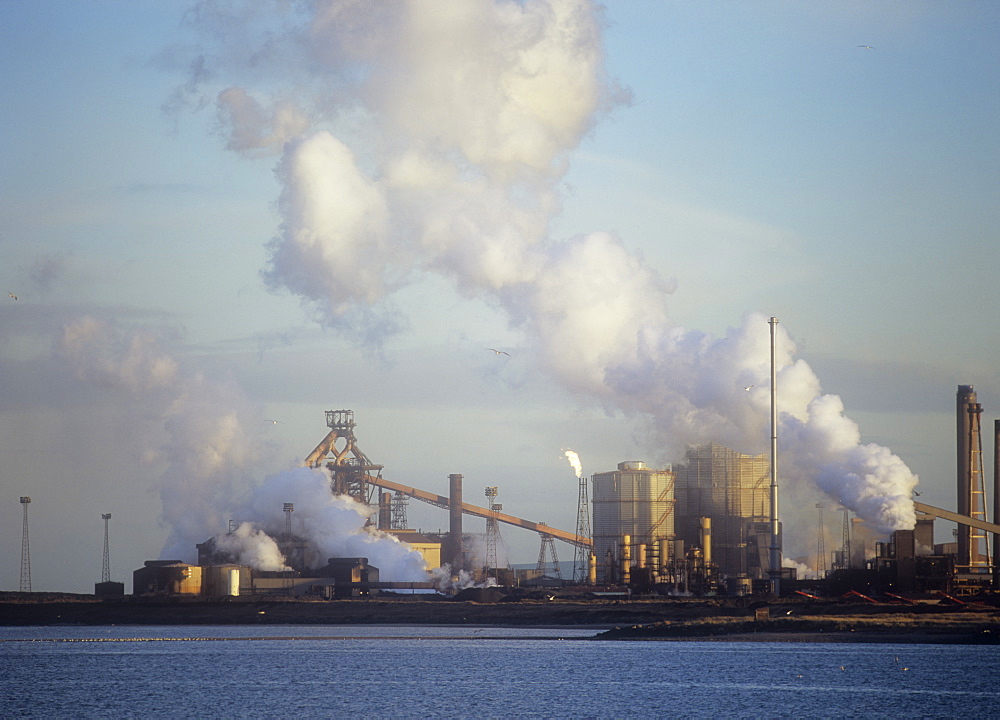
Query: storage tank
x=633, y=500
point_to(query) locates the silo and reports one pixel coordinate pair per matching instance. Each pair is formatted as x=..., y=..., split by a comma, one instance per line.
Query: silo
x=633, y=500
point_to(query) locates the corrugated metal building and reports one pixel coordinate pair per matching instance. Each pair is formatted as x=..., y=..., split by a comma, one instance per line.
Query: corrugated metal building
x=633, y=500
x=733, y=490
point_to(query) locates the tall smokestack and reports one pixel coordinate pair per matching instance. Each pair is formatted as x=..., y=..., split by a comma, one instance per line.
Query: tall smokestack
x=996, y=503
x=965, y=399
x=457, y=551
x=385, y=511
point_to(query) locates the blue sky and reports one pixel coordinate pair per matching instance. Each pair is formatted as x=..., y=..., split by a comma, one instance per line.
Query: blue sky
x=764, y=162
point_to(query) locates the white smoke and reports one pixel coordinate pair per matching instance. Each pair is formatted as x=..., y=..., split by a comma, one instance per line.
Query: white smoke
x=438, y=136
x=248, y=545
x=574, y=460
x=199, y=440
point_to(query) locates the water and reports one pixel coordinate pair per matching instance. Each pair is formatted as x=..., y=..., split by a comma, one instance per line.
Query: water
x=420, y=672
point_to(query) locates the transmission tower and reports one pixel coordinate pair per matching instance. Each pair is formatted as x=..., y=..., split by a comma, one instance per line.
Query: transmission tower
x=820, y=545
x=581, y=554
x=845, y=561
x=548, y=542
x=106, y=565
x=25, y=551
x=399, y=503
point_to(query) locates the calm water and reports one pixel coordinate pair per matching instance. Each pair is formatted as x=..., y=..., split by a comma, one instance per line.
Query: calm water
x=420, y=672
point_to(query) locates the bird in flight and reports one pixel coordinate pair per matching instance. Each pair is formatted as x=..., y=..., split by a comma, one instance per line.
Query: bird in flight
x=273, y=422
x=498, y=352
x=12, y=296
x=866, y=47
x=748, y=388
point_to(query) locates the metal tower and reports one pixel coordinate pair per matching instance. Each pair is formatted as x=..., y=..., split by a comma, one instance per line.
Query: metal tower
x=492, y=530
x=845, y=561
x=106, y=565
x=25, y=552
x=581, y=554
x=548, y=542
x=399, y=503
x=821, y=545
x=350, y=469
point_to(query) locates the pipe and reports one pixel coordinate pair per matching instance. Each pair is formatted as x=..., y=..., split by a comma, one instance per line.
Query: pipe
x=641, y=562
x=626, y=559
x=706, y=540
x=591, y=569
x=457, y=554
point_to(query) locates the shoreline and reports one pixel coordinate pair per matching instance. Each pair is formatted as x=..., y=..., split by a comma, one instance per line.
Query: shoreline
x=717, y=619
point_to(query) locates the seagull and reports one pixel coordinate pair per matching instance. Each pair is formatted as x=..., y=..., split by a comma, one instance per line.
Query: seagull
x=273, y=422
x=866, y=47
x=916, y=493
x=12, y=296
x=748, y=387
x=499, y=352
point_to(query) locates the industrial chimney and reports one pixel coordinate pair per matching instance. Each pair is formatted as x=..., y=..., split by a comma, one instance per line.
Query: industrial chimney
x=456, y=551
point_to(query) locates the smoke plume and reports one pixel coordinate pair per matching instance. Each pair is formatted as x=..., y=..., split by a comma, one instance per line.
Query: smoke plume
x=198, y=437
x=433, y=138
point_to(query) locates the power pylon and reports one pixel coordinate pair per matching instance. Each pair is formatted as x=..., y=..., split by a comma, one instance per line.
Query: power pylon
x=821, y=545
x=548, y=542
x=25, y=551
x=106, y=565
x=581, y=554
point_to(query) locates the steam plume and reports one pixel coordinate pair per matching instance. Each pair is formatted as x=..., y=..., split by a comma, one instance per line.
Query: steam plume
x=574, y=460
x=196, y=436
x=436, y=142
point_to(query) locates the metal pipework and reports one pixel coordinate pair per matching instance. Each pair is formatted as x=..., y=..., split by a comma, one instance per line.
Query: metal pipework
x=706, y=540
x=626, y=558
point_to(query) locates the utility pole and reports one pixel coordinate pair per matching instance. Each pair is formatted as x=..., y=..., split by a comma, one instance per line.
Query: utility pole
x=25, y=551
x=106, y=565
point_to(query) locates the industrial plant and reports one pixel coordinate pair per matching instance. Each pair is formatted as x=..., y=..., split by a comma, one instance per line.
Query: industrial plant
x=703, y=527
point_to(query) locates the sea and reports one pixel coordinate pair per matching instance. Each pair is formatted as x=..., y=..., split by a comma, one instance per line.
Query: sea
x=475, y=672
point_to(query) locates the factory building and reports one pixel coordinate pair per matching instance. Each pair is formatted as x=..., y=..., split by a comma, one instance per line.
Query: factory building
x=732, y=491
x=633, y=501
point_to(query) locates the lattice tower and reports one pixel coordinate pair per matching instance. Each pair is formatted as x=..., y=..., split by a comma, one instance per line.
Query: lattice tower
x=581, y=555
x=399, y=504
x=492, y=529
x=25, y=550
x=820, y=545
x=106, y=564
x=548, y=543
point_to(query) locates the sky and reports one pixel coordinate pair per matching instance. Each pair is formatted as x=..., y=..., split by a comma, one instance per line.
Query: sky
x=222, y=219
